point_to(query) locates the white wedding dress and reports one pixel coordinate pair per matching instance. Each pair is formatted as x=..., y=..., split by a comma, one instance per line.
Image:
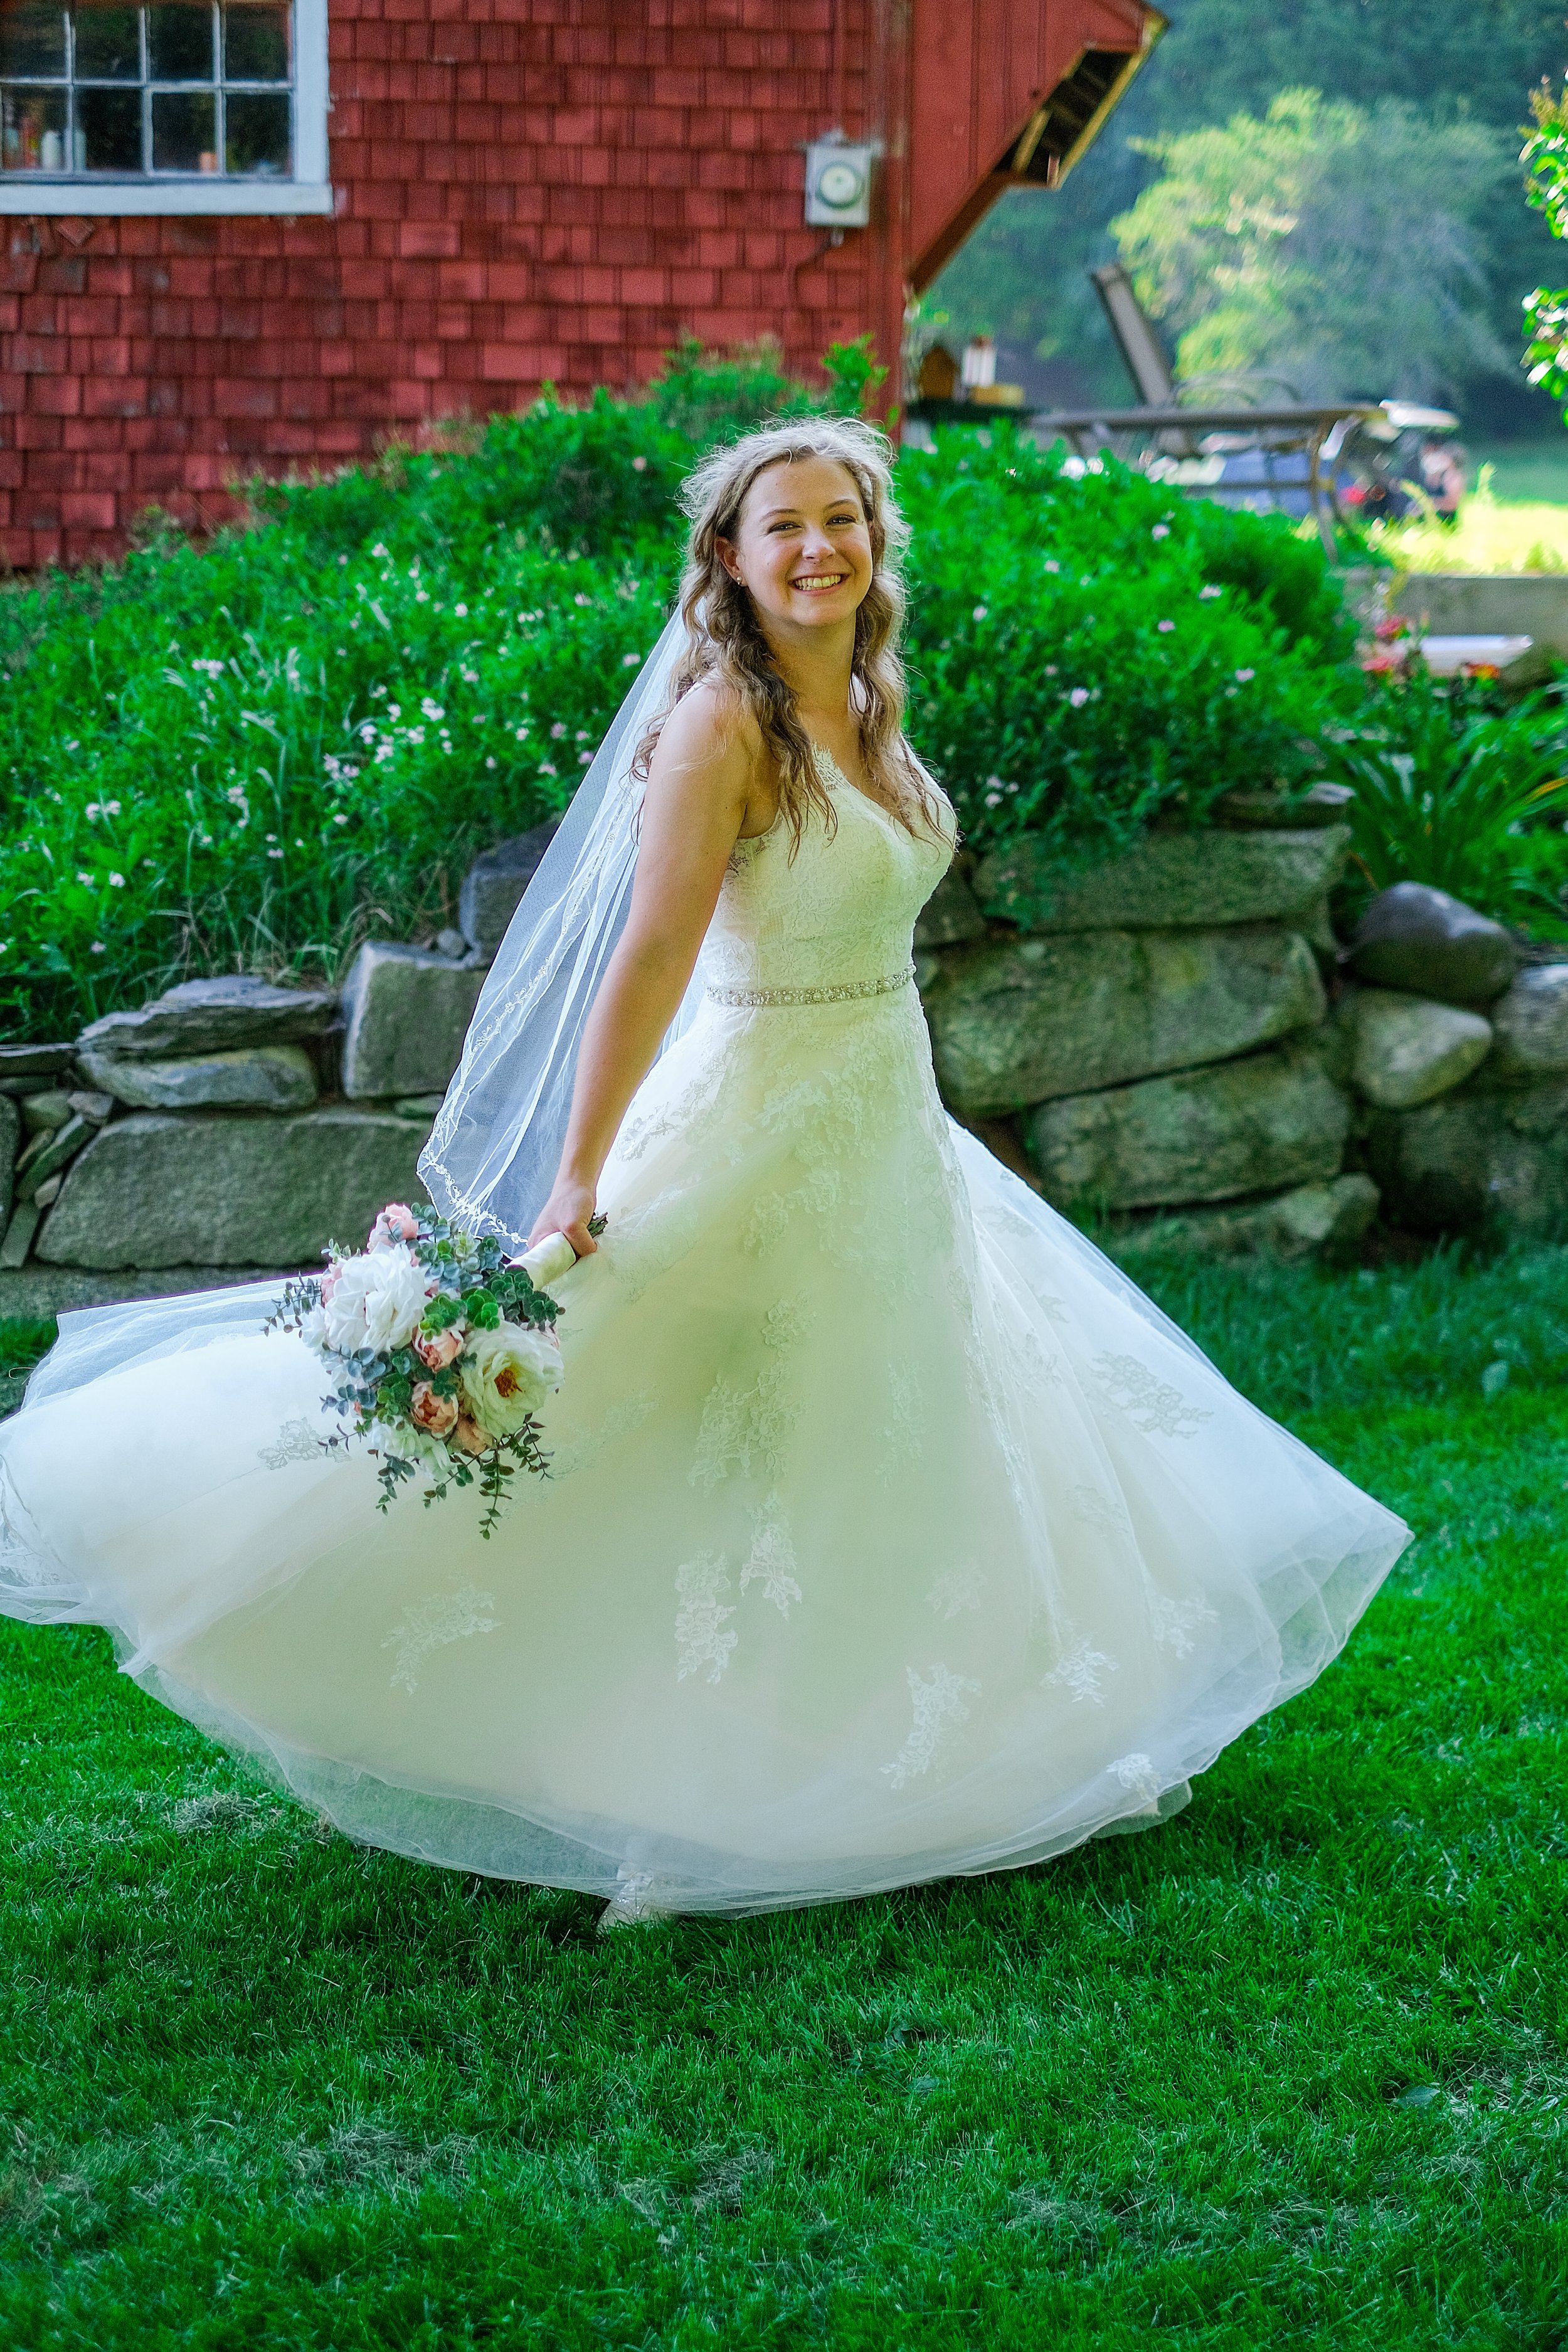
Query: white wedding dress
x=891, y=1532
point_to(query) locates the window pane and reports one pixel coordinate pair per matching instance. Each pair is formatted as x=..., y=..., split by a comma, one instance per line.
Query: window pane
x=180, y=41
x=184, y=132
x=108, y=45
x=255, y=42
x=257, y=134
x=33, y=129
x=109, y=129
x=32, y=39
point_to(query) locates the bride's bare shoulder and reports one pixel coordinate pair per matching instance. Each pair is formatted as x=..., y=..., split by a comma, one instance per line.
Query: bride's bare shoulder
x=710, y=728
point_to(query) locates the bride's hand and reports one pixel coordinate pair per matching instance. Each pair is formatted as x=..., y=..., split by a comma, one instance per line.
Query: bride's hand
x=567, y=1212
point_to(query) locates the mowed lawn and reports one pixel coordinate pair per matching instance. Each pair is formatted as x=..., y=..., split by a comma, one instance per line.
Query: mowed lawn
x=1290, y=2071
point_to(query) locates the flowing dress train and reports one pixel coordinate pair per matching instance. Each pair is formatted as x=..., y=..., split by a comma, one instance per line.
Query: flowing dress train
x=891, y=1533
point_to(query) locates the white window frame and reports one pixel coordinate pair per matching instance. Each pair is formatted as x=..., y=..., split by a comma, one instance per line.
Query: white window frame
x=310, y=190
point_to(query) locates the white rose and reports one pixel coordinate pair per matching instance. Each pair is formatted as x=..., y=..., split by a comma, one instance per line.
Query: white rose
x=507, y=1374
x=376, y=1301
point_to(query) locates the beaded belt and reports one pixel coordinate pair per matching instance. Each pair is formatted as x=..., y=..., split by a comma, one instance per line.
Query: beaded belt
x=839, y=994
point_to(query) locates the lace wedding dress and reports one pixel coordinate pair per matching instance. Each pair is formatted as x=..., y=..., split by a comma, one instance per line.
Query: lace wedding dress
x=891, y=1532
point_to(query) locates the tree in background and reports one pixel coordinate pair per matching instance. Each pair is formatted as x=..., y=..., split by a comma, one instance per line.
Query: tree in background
x=1336, y=246
x=1545, y=158
x=1022, y=276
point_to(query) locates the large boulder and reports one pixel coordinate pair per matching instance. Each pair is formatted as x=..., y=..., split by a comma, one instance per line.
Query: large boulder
x=25, y=1068
x=1187, y=880
x=950, y=917
x=1256, y=1126
x=1268, y=808
x=213, y=1016
x=1019, y=1022
x=494, y=884
x=1409, y=1050
x=406, y=1014
x=1476, y=1159
x=255, y=1077
x=1530, y=1029
x=10, y=1136
x=1312, y=1221
x=214, y=1188
x=1418, y=939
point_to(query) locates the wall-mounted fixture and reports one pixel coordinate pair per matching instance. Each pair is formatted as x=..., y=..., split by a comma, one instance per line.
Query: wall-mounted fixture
x=839, y=183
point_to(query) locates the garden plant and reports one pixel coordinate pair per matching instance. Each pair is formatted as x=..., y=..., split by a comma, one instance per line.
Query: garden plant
x=253, y=754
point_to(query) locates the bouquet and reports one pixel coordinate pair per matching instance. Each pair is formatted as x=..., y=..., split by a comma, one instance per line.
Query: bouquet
x=442, y=1350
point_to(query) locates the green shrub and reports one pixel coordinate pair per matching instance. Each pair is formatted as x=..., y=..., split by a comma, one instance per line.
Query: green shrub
x=250, y=754
x=1088, y=653
x=1456, y=789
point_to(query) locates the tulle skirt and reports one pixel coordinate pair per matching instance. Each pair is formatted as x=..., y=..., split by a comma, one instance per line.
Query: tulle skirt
x=890, y=1532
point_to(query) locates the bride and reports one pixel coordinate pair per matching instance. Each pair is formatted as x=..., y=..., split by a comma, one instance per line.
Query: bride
x=890, y=1532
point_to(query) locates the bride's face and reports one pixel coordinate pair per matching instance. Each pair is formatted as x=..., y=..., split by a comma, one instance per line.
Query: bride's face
x=802, y=548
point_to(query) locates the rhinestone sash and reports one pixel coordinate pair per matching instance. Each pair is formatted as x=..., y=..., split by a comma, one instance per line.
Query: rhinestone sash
x=839, y=994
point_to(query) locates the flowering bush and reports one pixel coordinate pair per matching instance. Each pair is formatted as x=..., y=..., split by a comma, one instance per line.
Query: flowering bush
x=251, y=754
x=1090, y=652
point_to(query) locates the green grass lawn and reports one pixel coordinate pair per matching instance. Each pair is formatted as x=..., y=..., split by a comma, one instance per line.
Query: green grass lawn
x=1290, y=2071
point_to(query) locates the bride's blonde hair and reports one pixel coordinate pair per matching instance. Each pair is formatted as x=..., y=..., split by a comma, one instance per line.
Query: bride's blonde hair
x=724, y=640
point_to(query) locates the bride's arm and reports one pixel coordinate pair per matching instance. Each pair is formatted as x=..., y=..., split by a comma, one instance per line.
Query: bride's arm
x=698, y=789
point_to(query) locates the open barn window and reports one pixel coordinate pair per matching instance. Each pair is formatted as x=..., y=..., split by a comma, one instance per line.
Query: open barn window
x=201, y=106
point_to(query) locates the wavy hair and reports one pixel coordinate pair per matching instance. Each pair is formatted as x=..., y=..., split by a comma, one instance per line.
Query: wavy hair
x=724, y=639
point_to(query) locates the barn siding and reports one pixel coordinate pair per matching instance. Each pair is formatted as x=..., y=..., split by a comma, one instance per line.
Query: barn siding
x=529, y=191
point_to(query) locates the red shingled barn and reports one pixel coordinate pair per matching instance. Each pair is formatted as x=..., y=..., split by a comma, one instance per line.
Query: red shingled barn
x=250, y=235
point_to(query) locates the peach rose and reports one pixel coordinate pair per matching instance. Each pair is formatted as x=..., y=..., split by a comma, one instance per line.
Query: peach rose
x=396, y=1223
x=438, y=1414
x=470, y=1435
x=438, y=1349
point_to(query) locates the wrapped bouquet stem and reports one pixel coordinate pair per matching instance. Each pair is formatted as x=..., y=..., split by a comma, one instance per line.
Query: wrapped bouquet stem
x=442, y=1351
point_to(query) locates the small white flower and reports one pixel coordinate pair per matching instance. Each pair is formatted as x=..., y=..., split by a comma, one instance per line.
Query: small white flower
x=630, y=661
x=117, y=881
x=339, y=818
x=376, y=1301
x=1242, y=675
x=96, y=947
x=1161, y=530
x=1051, y=563
x=980, y=611
x=1078, y=697
x=84, y=879
x=1164, y=628
x=461, y=611
x=1205, y=594
x=558, y=731
x=432, y=708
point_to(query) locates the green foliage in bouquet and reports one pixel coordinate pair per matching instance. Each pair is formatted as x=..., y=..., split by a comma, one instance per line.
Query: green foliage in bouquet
x=396, y=1326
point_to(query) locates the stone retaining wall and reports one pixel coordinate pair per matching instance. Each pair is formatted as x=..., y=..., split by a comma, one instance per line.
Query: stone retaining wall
x=1174, y=1040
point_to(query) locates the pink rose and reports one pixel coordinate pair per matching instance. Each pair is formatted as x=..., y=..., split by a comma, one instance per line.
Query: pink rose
x=330, y=1281
x=396, y=1223
x=438, y=1414
x=470, y=1435
x=437, y=1349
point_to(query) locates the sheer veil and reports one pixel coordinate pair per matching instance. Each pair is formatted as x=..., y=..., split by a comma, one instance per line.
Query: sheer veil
x=493, y=1151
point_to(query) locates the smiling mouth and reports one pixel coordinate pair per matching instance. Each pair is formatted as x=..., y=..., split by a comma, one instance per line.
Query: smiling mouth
x=816, y=583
